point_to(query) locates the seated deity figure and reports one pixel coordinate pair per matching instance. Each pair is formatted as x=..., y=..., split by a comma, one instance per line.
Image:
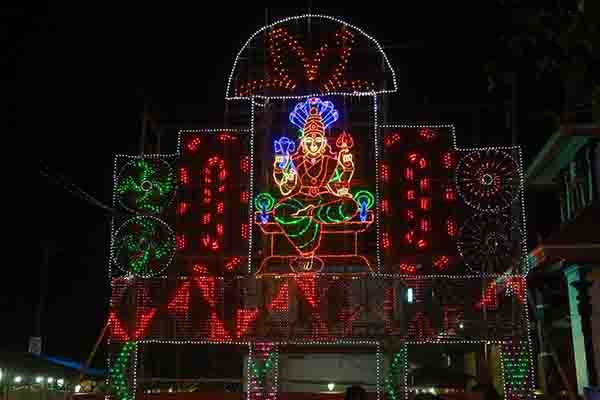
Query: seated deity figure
x=313, y=180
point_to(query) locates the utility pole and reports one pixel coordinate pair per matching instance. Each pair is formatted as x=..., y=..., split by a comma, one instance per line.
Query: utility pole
x=144, y=126
x=48, y=248
x=513, y=111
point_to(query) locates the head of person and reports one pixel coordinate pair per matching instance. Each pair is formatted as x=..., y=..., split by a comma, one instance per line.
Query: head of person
x=314, y=141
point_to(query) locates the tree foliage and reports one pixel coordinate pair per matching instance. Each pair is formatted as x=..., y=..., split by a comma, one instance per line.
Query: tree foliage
x=551, y=39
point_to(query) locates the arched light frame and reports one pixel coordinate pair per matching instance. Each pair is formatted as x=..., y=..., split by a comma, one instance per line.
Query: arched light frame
x=308, y=16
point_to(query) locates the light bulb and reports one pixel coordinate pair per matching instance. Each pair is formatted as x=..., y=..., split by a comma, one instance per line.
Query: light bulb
x=331, y=386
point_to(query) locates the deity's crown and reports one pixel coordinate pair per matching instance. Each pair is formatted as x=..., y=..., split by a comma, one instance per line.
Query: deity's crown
x=314, y=116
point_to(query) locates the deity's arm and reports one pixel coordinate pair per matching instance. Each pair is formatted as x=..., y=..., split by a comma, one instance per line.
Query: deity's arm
x=345, y=175
x=339, y=182
x=345, y=168
x=285, y=177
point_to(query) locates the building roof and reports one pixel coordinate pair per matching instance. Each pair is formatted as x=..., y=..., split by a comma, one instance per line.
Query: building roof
x=558, y=151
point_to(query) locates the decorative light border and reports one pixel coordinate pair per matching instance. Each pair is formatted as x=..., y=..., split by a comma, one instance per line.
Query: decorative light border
x=526, y=266
x=375, y=275
x=378, y=373
x=313, y=342
x=135, y=368
x=251, y=190
x=347, y=276
x=307, y=16
x=376, y=140
x=531, y=381
x=248, y=373
x=276, y=384
x=524, y=260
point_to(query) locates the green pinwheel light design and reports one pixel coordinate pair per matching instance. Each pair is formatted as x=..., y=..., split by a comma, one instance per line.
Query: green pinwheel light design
x=146, y=186
x=144, y=246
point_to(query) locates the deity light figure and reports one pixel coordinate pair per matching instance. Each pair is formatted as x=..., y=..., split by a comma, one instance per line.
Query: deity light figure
x=314, y=181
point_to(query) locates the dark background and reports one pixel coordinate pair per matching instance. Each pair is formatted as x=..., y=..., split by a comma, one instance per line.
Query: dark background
x=77, y=78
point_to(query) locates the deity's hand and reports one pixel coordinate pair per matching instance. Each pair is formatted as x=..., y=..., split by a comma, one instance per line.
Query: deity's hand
x=291, y=175
x=345, y=159
x=281, y=161
x=344, y=192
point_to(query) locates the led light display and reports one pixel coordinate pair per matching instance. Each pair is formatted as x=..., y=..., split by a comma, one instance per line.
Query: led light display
x=318, y=225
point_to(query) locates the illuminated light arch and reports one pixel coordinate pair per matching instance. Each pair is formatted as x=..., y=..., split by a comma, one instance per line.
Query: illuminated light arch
x=379, y=89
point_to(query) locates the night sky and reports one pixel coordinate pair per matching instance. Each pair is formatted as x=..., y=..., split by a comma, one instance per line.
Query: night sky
x=77, y=77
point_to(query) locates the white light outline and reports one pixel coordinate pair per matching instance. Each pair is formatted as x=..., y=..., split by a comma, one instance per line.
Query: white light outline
x=377, y=143
x=251, y=181
x=378, y=373
x=308, y=16
x=135, y=365
x=405, y=367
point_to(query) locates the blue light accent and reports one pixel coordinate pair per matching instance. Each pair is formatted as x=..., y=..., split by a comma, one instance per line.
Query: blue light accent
x=264, y=203
x=363, y=210
x=410, y=295
x=366, y=200
x=264, y=218
x=74, y=365
x=284, y=146
x=328, y=113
